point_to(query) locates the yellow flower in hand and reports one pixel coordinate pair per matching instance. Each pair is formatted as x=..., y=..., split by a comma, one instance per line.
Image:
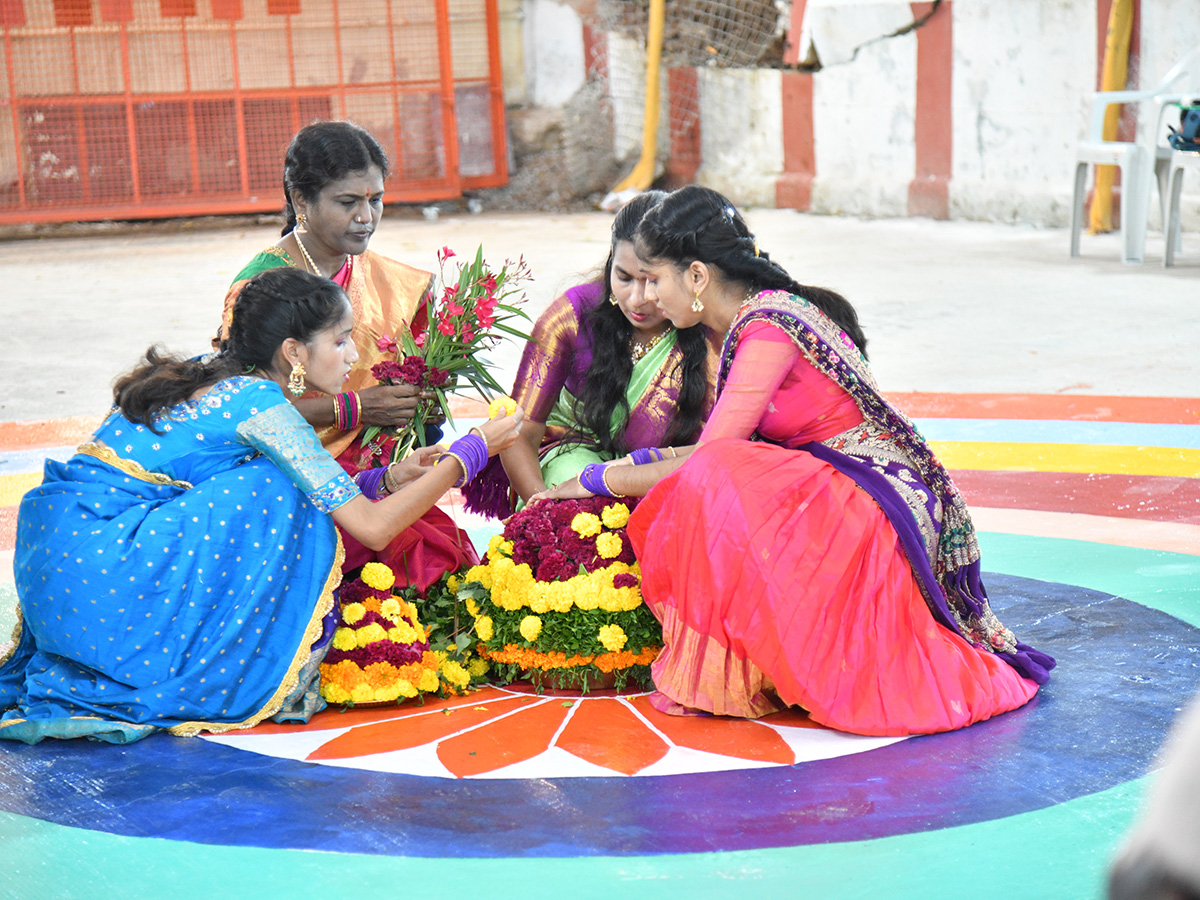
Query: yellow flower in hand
x=507, y=404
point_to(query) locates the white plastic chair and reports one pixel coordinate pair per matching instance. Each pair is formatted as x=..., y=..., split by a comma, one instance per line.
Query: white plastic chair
x=1141, y=161
x=1179, y=160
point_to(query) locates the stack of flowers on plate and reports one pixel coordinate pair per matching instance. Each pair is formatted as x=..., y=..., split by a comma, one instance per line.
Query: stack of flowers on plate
x=380, y=652
x=558, y=601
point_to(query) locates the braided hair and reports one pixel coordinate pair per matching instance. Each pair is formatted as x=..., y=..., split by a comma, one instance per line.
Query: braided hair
x=273, y=306
x=697, y=223
x=607, y=377
x=324, y=152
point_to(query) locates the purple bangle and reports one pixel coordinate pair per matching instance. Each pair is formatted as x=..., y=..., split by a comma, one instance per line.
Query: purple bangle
x=471, y=453
x=592, y=480
x=371, y=482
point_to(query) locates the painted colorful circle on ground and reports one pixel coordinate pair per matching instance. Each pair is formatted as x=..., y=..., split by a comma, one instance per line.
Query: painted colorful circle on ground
x=1055, y=749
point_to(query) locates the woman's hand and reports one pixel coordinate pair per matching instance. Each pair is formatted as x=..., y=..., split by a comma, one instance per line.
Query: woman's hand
x=500, y=432
x=413, y=466
x=388, y=405
x=568, y=490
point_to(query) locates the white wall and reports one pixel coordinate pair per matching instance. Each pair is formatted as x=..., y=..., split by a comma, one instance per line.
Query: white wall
x=554, y=66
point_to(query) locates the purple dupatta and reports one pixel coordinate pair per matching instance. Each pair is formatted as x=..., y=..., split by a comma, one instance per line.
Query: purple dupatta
x=889, y=459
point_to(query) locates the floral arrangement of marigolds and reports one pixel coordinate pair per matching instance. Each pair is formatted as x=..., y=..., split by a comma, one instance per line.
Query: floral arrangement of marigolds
x=380, y=653
x=558, y=598
x=450, y=629
x=469, y=318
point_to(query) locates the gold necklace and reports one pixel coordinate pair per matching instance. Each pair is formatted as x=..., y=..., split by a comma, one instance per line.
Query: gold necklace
x=308, y=260
x=637, y=350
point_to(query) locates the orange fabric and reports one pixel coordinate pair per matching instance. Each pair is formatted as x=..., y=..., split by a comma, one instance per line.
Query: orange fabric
x=768, y=568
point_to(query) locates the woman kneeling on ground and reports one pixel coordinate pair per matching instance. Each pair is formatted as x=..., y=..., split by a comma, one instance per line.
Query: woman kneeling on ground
x=179, y=571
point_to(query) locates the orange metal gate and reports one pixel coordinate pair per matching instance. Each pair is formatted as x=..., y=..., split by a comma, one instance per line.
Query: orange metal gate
x=114, y=109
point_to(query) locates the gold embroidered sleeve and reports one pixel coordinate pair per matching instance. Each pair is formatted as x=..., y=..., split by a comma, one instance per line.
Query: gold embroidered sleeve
x=281, y=434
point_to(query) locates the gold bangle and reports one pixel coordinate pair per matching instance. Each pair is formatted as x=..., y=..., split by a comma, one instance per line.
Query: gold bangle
x=459, y=460
x=604, y=481
x=483, y=437
x=389, y=483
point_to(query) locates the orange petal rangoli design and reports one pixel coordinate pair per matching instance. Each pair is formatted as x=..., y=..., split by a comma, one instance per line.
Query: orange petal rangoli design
x=510, y=733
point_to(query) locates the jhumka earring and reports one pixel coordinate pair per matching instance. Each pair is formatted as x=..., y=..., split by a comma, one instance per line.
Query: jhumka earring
x=296, y=380
x=697, y=304
x=302, y=223
x=613, y=300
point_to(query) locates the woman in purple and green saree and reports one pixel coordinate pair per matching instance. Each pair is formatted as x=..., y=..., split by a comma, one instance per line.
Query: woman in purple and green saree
x=604, y=373
x=809, y=550
x=179, y=572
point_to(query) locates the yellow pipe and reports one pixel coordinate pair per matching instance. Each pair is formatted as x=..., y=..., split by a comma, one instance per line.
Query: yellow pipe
x=1112, y=78
x=642, y=175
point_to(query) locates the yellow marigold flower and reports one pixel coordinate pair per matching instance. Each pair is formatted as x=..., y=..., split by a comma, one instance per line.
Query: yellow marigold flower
x=615, y=515
x=387, y=694
x=608, y=545
x=452, y=583
x=586, y=524
x=362, y=693
x=335, y=693
x=531, y=627
x=508, y=404
x=612, y=637
x=344, y=639
x=455, y=674
x=481, y=574
x=539, y=603
x=392, y=609
x=404, y=633
x=478, y=667
x=493, y=550
x=472, y=607
x=378, y=576
x=352, y=612
x=428, y=680
x=368, y=634
x=483, y=628
x=405, y=688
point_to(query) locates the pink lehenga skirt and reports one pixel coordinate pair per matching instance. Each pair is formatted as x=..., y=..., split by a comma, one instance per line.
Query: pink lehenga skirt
x=778, y=582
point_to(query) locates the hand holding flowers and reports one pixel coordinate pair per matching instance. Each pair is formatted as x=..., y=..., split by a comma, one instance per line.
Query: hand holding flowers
x=468, y=319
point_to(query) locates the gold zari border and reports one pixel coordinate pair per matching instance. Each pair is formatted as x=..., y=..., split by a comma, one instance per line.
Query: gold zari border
x=290, y=680
x=106, y=454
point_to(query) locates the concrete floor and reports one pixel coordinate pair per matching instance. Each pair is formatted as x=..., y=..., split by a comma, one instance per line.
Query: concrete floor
x=1061, y=393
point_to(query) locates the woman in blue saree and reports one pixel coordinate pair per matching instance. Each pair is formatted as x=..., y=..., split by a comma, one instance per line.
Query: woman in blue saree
x=179, y=572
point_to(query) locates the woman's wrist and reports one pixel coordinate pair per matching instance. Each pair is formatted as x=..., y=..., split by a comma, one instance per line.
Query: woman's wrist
x=389, y=481
x=347, y=411
x=470, y=451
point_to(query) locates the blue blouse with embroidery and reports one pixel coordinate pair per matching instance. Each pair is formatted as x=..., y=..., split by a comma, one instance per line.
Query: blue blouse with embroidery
x=238, y=419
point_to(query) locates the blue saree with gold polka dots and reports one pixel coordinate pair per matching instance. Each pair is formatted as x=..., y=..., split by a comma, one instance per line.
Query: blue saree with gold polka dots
x=177, y=578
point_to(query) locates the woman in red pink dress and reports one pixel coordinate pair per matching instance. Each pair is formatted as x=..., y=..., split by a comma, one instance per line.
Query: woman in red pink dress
x=809, y=550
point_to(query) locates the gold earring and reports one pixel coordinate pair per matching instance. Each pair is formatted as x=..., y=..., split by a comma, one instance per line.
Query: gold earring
x=697, y=305
x=296, y=380
x=302, y=223
x=612, y=299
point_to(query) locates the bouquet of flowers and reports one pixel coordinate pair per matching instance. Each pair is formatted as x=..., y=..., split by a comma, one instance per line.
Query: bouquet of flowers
x=558, y=598
x=380, y=653
x=470, y=317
